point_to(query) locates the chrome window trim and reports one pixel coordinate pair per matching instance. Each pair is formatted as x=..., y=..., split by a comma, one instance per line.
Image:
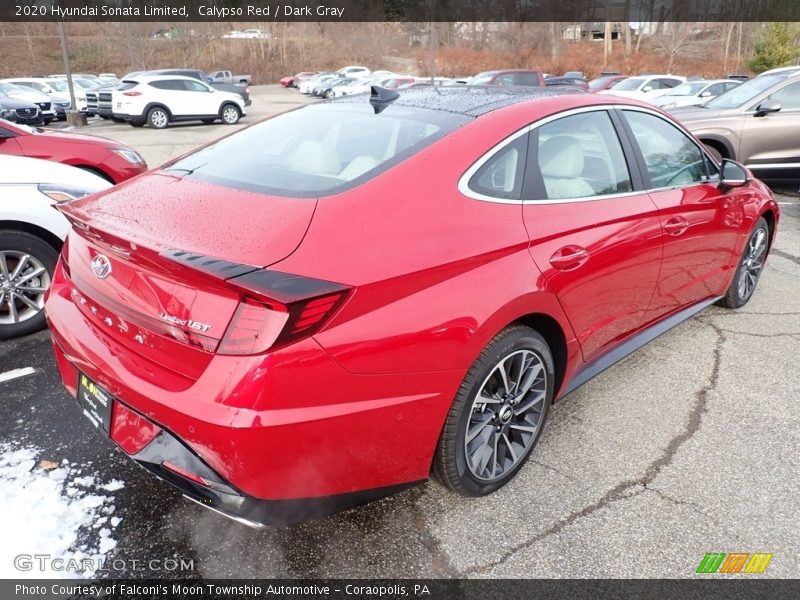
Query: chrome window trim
x=463, y=182
x=788, y=165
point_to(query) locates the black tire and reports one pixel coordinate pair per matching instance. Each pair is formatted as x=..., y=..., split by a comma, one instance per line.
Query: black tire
x=450, y=463
x=751, y=265
x=158, y=118
x=327, y=94
x=230, y=113
x=104, y=117
x=48, y=121
x=116, y=119
x=13, y=241
x=714, y=153
x=208, y=121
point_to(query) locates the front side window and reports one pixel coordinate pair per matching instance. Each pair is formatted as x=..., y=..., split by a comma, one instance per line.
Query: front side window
x=628, y=85
x=788, y=96
x=671, y=157
x=318, y=150
x=747, y=91
x=194, y=86
x=579, y=156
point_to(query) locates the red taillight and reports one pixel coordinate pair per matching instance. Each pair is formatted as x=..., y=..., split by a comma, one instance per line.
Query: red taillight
x=132, y=93
x=258, y=326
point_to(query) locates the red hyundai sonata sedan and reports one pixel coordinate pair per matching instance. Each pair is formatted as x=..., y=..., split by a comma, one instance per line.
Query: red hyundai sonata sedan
x=110, y=160
x=346, y=298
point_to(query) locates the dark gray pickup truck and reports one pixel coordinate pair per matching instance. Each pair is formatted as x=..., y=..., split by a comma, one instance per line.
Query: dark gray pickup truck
x=98, y=101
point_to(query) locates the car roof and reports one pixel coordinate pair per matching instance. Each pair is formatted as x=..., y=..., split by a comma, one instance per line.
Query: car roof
x=473, y=101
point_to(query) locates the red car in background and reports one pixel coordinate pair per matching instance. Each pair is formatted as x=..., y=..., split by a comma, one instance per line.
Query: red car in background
x=394, y=286
x=292, y=80
x=110, y=160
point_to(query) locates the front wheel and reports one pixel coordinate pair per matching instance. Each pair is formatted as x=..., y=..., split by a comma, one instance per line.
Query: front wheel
x=716, y=154
x=27, y=264
x=750, y=266
x=230, y=114
x=497, y=415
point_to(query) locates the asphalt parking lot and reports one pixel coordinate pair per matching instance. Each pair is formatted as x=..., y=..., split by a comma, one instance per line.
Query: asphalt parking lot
x=688, y=446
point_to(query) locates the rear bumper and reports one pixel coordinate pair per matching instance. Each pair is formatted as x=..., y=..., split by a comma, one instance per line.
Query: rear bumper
x=291, y=432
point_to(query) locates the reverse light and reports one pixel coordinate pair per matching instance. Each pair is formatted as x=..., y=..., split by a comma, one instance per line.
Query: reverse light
x=130, y=155
x=63, y=193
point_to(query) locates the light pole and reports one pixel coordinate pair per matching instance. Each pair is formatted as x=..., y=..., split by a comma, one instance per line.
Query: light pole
x=74, y=116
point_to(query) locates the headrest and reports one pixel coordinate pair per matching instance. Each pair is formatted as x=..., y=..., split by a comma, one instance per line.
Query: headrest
x=561, y=156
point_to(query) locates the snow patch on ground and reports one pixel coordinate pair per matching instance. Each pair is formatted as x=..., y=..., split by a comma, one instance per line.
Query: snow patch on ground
x=53, y=512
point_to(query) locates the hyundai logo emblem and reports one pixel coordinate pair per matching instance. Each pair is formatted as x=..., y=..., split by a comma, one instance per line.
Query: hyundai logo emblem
x=101, y=266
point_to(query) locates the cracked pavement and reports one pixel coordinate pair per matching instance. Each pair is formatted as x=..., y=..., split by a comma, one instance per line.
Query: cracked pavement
x=687, y=446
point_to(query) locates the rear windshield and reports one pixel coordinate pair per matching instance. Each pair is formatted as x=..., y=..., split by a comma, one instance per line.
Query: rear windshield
x=318, y=150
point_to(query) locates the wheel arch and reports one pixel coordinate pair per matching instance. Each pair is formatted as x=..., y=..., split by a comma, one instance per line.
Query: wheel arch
x=552, y=332
x=40, y=232
x=722, y=145
x=228, y=103
x=153, y=105
x=769, y=217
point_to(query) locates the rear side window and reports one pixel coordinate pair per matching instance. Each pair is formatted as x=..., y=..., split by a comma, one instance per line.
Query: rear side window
x=126, y=85
x=318, y=150
x=671, y=157
x=501, y=175
x=168, y=84
x=526, y=79
x=579, y=156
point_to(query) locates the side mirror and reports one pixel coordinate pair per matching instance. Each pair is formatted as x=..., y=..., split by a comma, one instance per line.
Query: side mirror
x=705, y=94
x=766, y=107
x=732, y=174
x=647, y=88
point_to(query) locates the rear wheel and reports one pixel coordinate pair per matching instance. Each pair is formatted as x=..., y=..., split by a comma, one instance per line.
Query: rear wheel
x=750, y=267
x=157, y=118
x=27, y=264
x=230, y=114
x=497, y=415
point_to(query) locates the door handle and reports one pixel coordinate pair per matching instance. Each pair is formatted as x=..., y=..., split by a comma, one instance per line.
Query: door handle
x=569, y=257
x=676, y=226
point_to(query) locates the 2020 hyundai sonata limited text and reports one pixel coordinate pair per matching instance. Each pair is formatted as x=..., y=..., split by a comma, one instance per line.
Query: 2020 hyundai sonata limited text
x=346, y=298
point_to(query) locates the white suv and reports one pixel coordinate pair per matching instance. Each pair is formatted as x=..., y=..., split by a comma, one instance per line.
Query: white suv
x=354, y=72
x=159, y=100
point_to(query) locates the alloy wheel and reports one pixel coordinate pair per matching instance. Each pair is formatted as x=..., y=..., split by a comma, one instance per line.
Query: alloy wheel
x=506, y=415
x=753, y=263
x=158, y=119
x=23, y=283
x=230, y=115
